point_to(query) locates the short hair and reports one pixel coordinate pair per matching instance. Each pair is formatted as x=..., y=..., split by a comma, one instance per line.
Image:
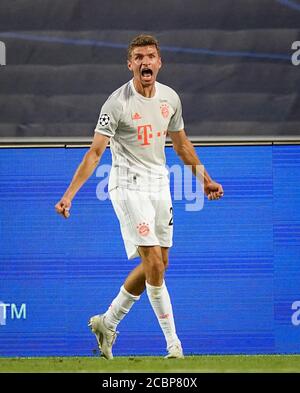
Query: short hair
x=142, y=40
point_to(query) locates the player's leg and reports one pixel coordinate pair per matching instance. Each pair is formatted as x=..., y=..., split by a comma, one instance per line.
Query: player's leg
x=175, y=350
x=154, y=260
x=165, y=256
x=164, y=233
x=104, y=325
x=135, y=282
x=129, y=293
x=153, y=265
x=136, y=216
x=131, y=290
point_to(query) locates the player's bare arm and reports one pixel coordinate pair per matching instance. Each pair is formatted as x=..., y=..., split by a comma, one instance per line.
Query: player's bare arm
x=83, y=172
x=186, y=151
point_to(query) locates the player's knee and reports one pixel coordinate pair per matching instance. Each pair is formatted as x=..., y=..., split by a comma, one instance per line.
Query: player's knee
x=165, y=256
x=154, y=260
x=157, y=266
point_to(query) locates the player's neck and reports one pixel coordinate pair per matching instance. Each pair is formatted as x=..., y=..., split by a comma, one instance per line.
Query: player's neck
x=146, y=91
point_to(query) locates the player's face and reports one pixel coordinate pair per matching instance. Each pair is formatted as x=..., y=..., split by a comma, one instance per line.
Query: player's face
x=145, y=63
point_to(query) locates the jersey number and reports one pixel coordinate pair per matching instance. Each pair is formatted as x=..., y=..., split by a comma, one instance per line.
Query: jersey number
x=171, y=212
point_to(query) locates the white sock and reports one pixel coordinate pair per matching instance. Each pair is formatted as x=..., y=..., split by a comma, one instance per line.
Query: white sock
x=119, y=307
x=160, y=301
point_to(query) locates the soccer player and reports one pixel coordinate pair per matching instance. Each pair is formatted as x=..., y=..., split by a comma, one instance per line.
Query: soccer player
x=135, y=119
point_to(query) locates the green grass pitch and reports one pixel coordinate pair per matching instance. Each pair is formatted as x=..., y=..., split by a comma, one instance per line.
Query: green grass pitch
x=191, y=364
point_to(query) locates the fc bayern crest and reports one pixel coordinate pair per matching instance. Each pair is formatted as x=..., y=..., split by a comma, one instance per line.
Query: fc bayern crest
x=165, y=110
x=104, y=120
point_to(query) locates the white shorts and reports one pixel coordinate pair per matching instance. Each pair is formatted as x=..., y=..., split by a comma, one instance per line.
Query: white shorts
x=146, y=219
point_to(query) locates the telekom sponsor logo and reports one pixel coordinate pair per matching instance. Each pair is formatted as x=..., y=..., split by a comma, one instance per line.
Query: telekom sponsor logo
x=145, y=133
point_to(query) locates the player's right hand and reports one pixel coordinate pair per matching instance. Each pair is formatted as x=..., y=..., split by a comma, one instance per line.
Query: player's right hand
x=63, y=207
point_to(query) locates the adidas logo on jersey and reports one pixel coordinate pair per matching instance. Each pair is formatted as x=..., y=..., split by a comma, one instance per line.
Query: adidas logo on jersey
x=136, y=116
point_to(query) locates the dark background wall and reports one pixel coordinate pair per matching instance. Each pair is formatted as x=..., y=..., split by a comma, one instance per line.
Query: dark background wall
x=229, y=60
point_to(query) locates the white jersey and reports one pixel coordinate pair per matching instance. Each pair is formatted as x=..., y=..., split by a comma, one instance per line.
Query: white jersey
x=137, y=127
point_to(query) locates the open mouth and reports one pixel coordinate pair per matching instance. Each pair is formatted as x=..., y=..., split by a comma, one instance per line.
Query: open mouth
x=146, y=72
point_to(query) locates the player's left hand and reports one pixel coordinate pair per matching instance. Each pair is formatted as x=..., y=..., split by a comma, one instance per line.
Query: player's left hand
x=213, y=190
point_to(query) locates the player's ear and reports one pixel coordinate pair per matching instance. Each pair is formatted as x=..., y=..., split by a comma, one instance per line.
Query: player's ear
x=160, y=63
x=129, y=65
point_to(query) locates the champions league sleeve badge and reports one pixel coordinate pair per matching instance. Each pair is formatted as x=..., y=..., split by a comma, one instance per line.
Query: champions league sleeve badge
x=103, y=120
